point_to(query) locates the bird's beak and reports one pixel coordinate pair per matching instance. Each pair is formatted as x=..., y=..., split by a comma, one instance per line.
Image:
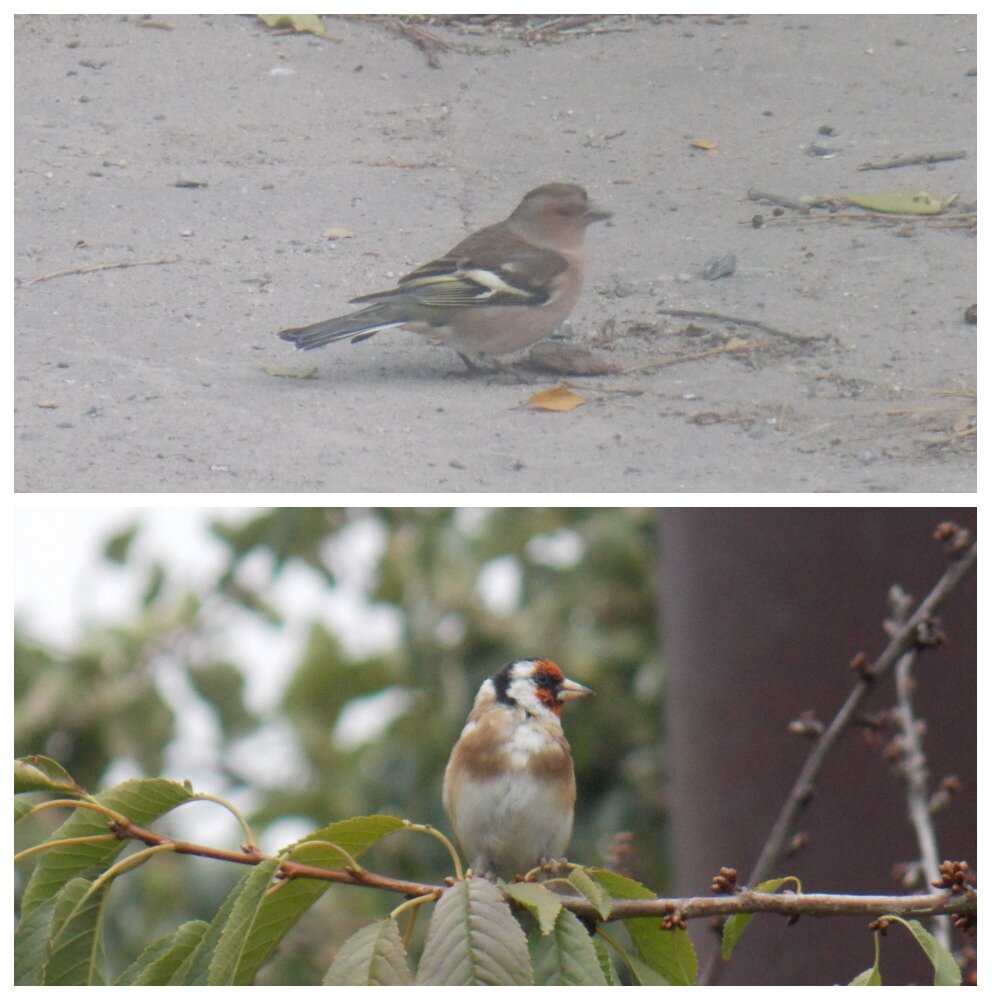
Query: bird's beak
x=570, y=690
x=595, y=214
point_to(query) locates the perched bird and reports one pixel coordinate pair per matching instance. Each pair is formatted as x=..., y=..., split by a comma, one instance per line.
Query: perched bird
x=509, y=786
x=500, y=290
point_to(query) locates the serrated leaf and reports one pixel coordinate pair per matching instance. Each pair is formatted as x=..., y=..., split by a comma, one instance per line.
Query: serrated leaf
x=194, y=969
x=543, y=904
x=236, y=933
x=282, y=908
x=736, y=924
x=157, y=963
x=311, y=23
x=607, y=963
x=474, y=940
x=946, y=970
x=595, y=894
x=900, y=202
x=43, y=774
x=669, y=954
x=870, y=977
x=374, y=956
x=566, y=957
x=355, y=835
x=31, y=941
x=74, y=936
x=646, y=976
x=141, y=800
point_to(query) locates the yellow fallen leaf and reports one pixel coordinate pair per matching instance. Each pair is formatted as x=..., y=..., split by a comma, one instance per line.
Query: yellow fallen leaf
x=297, y=22
x=289, y=372
x=557, y=398
x=900, y=202
x=704, y=143
x=338, y=234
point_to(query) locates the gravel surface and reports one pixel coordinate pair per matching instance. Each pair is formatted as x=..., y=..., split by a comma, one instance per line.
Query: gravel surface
x=216, y=155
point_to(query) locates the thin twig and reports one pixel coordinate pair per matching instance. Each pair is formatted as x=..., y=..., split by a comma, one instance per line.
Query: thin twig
x=900, y=643
x=913, y=765
x=799, y=338
x=794, y=204
x=942, y=221
x=428, y=43
x=912, y=161
x=681, y=359
x=100, y=267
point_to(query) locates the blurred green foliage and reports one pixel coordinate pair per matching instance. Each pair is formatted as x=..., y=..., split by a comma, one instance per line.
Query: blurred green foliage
x=591, y=607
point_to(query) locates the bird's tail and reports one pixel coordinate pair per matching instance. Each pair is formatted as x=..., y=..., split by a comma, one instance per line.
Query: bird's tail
x=357, y=326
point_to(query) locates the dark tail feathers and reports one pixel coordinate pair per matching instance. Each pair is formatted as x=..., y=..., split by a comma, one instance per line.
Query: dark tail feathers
x=358, y=325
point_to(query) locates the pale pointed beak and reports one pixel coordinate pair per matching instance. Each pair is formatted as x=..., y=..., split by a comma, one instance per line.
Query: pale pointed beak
x=570, y=690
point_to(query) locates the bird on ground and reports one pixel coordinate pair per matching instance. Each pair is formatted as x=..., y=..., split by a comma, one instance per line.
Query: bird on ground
x=500, y=290
x=509, y=787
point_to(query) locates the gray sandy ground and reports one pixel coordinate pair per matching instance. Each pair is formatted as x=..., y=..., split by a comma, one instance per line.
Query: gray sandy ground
x=154, y=377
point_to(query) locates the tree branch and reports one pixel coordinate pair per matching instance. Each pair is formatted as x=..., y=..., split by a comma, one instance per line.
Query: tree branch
x=786, y=904
x=904, y=640
x=913, y=766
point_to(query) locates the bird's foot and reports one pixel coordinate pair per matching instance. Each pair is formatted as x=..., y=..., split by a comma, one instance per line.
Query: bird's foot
x=482, y=367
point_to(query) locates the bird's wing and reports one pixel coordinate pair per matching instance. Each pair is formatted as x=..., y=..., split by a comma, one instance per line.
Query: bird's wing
x=491, y=267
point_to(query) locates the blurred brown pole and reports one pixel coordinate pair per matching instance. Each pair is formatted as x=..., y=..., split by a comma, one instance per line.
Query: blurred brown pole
x=762, y=611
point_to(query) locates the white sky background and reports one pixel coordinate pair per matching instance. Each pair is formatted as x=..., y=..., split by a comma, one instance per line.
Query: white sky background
x=61, y=582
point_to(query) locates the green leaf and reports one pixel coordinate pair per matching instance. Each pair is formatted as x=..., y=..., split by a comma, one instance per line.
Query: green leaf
x=311, y=23
x=474, y=940
x=116, y=548
x=644, y=975
x=669, y=954
x=74, y=935
x=222, y=686
x=900, y=202
x=236, y=932
x=43, y=774
x=567, y=956
x=946, y=970
x=543, y=904
x=284, y=905
x=195, y=968
x=735, y=925
x=141, y=800
x=158, y=962
x=154, y=585
x=374, y=956
x=22, y=807
x=595, y=894
x=870, y=977
x=31, y=942
x=607, y=963
x=354, y=835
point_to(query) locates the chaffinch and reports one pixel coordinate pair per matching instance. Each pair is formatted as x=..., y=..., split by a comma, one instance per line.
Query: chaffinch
x=500, y=290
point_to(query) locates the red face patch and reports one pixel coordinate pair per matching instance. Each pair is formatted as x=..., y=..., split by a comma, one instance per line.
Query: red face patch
x=548, y=680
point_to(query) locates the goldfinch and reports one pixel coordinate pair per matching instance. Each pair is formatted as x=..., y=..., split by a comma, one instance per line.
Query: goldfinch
x=509, y=787
x=500, y=290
